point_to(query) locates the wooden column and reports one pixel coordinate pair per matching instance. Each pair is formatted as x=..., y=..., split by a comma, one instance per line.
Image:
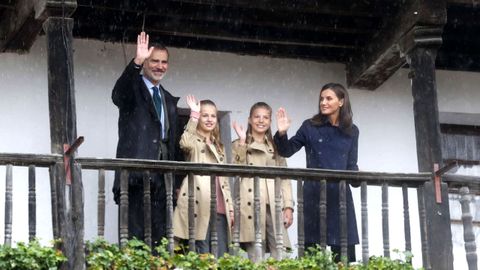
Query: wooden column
x=63, y=131
x=436, y=233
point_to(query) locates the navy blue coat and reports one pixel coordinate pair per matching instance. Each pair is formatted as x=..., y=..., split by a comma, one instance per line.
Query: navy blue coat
x=139, y=136
x=326, y=147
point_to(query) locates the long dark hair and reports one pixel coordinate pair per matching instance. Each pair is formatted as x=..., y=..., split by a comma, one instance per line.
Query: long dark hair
x=215, y=135
x=345, y=116
x=268, y=133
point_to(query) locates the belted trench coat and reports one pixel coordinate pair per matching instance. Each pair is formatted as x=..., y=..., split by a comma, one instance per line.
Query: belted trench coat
x=197, y=150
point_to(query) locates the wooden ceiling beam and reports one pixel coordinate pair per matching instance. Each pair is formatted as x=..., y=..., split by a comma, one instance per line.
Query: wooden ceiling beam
x=417, y=21
x=373, y=8
x=242, y=16
x=20, y=25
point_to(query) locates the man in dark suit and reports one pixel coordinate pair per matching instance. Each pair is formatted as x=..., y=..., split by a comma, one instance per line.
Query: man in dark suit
x=146, y=130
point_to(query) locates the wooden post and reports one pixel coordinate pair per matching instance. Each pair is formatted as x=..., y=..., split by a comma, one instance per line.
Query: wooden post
x=468, y=234
x=8, y=205
x=101, y=203
x=427, y=130
x=364, y=203
x=61, y=97
x=236, y=213
x=385, y=223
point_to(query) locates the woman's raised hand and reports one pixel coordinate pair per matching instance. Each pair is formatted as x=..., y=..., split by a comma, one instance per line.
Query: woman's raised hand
x=283, y=122
x=143, y=52
x=241, y=132
x=193, y=103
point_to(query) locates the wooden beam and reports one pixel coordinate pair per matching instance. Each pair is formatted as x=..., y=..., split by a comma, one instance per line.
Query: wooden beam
x=386, y=53
x=372, y=8
x=21, y=24
x=238, y=16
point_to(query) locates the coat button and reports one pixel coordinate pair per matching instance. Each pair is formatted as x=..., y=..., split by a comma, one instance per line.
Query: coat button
x=270, y=150
x=249, y=203
x=249, y=190
x=226, y=200
x=221, y=159
x=202, y=151
x=198, y=188
x=184, y=194
x=195, y=215
x=198, y=140
x=223, y=186
x=249, y=217
x=250, y=163
x=196, y=202
x=237, y=157
x=154, y=141
x=249, y=153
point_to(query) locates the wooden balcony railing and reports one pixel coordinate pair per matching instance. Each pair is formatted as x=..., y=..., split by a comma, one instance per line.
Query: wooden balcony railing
x=63, y=226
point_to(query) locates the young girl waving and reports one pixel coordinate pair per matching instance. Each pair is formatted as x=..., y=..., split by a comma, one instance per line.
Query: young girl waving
x=201, y=143
x=255, y=147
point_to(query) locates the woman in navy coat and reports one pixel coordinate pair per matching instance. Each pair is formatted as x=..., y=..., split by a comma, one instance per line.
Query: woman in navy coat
x=331, y=142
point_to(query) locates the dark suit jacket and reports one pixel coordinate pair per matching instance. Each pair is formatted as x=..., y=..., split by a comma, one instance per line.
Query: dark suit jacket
x=138, y=124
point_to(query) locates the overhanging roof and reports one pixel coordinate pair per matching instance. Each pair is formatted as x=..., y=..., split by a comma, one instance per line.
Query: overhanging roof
x=366, y=35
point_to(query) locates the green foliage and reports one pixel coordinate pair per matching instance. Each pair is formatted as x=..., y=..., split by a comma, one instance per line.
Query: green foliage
x=136, y=255
x=31, y=256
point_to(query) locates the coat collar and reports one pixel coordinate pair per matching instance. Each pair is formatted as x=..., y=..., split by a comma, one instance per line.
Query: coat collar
x=266, y=146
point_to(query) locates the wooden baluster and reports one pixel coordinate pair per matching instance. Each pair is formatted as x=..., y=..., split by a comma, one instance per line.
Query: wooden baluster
x=32, y=204
x=169, y=190
x=54, y=201
x=236, y=210
x=8, y=205
x=343, y=221
x=365, y=251
x=423, y=228
x=123, y=215
x=279, y=228
x=191, y=212
x=101, y=204
x=406, y=219
x=385, y=224
x=323, y=213
x=300, y=218
x=257, y=219
x=147, y=209
x=213, y=215
x=468, y=234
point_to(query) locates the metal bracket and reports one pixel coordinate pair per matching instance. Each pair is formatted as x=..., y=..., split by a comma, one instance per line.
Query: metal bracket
x=68, y=156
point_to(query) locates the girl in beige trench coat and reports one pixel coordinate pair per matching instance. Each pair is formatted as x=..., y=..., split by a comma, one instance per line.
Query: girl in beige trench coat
x=201, y=143
x=255, y=147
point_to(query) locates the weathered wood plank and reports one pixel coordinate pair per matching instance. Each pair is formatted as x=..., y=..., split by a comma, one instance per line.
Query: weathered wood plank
x=257, y=219
x=237, y=215
x=429, y=151
x=387, y=52
x=123, y=208
x=373, y=178
x=32, y=204
x=101, y=203
x=301, y=218
x=323, y=213
x=342, y=199
x=191, y=212
x=8, y=205
x=364, y=205
x=147, y=209
x=385, y=223
x=279, y=227
x=213, y=216
x=169, y=190
x=468, y=233
x=406, y=219
x=77, y=219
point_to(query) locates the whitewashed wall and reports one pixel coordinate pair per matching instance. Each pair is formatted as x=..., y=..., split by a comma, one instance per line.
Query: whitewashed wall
x=234, y=82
